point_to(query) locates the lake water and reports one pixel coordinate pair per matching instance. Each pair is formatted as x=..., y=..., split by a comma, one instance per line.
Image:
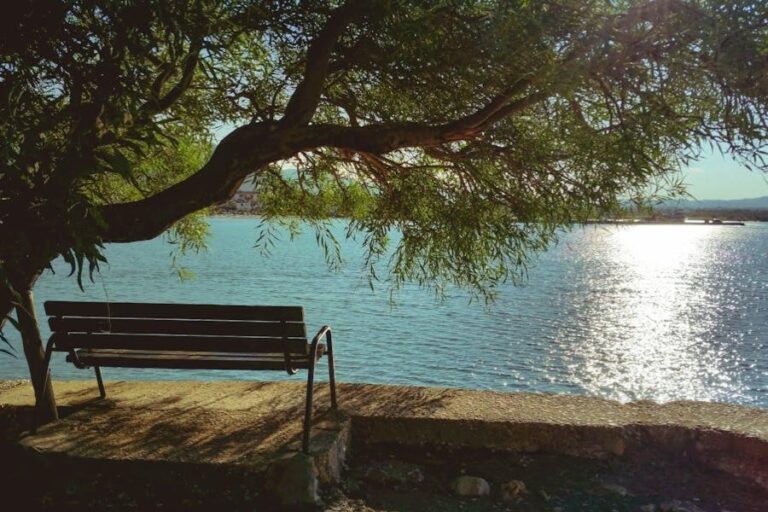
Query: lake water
x=641, y=312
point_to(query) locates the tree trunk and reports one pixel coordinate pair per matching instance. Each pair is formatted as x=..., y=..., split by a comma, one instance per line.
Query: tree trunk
x=6, y=305
x=45, y=401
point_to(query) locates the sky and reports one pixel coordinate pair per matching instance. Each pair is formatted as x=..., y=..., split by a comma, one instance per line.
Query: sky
x=720, y=177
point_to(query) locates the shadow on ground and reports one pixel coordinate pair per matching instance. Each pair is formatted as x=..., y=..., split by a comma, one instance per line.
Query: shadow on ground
x=196, y=449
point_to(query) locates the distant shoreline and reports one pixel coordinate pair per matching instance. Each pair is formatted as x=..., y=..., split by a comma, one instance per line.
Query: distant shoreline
x=619, y=222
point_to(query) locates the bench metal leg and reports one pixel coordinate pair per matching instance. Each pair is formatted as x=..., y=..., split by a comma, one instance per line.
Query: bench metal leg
x=331, y=370
x=308, y=404
x=100, y=382
x=311, y=380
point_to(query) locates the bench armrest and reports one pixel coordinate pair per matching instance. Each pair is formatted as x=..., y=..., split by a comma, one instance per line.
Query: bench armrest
x=324, y=331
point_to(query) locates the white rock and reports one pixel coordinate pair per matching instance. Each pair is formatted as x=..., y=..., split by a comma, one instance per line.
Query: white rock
x=471, y=486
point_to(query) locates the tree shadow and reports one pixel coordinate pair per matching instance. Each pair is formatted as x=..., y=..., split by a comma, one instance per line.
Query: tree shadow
x=199, y=438
x=177, y=429
x=376, y=400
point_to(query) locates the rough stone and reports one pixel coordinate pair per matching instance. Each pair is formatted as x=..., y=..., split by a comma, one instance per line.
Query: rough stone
x=679, y=506
x=512, y=490
x=466, y=485
x=530, y=447
x=617, y=446
x=394, y=472
x=329, y=448
x=616, y=489
x=292, y=481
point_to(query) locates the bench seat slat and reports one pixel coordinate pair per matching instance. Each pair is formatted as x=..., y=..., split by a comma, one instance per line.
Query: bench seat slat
x=187, y=343
x=186, y=360
x=164, y=326
x=181, y=311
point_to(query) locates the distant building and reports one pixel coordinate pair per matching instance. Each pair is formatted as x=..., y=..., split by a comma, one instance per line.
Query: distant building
x=242, y=201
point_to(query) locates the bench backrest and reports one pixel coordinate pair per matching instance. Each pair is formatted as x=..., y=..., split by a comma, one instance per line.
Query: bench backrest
x=184, y=327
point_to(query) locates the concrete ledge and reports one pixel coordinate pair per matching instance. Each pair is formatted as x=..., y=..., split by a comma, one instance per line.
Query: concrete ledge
x=249, y=424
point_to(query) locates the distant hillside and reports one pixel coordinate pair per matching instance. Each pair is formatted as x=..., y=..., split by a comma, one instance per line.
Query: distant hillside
x=755, y=203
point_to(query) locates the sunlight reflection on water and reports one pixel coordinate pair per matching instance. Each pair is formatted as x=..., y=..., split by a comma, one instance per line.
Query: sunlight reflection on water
x=650, y=331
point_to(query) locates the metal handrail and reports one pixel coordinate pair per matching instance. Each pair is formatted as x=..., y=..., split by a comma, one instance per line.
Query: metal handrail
x=325, y=331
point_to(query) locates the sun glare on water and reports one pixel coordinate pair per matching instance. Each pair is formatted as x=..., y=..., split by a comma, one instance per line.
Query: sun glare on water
x=647, y=328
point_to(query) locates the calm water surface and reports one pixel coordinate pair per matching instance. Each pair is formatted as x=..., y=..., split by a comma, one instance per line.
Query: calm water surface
x=640, y=312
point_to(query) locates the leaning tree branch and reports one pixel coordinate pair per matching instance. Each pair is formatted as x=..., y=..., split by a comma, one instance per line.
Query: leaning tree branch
x=480, y=117
x=303, y=103
x=383, y=138
x=243, y=151
x=159, y=103
x=251, y=147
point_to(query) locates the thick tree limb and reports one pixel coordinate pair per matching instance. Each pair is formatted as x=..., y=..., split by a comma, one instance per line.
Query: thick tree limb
x=378, y=139
x=251, y=147
x=480, y=117
x=160, y=103
x=240, y=153
x=303, y=103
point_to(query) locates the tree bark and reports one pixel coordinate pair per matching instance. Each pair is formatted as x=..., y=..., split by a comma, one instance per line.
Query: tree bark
x=6, y=305
x=45, y=401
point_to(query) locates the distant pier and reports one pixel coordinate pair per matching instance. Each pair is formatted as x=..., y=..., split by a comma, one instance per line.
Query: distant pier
x=628, y=222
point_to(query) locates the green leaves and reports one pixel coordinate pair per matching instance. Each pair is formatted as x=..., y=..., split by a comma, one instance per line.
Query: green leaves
x=584, y=105
x=118, y=163
x=11, y=350
x=86, y=257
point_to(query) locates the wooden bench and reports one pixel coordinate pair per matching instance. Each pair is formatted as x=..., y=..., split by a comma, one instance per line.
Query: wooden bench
x=189, y=336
